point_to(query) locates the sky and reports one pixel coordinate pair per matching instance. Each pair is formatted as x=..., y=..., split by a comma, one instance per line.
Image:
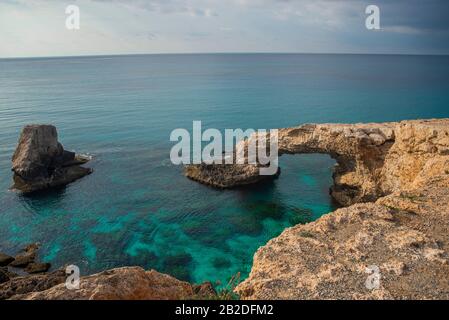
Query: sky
x=30, y=28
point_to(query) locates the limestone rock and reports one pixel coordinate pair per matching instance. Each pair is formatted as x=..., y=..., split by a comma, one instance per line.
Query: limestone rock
x=373, y=160
x=37, y=267
x=4, y=277
x=129, y=283
x=327, y=258
x=225, y=176
x=205, y=290
x=40, y=161
x=33, y=283
x=26, y=257
x=232, y=175
x=403, y=232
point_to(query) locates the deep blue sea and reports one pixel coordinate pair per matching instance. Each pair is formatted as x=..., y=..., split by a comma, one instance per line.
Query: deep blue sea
x=137, y=208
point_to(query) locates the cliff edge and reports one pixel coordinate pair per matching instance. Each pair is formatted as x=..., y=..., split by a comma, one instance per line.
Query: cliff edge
x=391, y=242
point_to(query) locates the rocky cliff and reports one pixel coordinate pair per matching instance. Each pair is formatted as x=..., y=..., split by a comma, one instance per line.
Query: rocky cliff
x=394, y=178
x=40, y=161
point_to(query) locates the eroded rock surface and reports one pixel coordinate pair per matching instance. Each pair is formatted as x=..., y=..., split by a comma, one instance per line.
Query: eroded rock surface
x=40, y=161
x=403, y=168
x=128, y=283
x=21, y=285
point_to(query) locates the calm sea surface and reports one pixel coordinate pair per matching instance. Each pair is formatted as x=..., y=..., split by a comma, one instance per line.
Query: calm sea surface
x=137, y=208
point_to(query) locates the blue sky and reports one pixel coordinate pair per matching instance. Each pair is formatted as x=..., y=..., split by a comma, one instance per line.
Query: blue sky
x=37, y=27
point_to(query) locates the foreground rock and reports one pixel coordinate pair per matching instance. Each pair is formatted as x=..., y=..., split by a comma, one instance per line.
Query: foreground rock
x=4, y=276
x=40, y=161
x=19, y=285
x=26, y=258
x=403, y=168
x=129, y=283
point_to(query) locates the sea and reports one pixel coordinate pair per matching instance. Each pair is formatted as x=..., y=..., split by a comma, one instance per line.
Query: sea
x=137, y=208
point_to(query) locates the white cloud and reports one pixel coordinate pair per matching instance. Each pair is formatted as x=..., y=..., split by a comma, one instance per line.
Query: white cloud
x=37, y=27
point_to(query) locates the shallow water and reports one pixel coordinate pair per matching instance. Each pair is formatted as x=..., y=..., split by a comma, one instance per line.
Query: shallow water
x=137, y=208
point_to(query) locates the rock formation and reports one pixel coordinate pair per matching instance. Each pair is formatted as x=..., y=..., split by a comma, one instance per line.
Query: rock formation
x=391, y=242
x=128, y=283
x=21, y=285
x=25, y=259
x=226, y=175
x=373, y=160
x=401, y=172
x=5, y=259
x=132, y=283
x=40, y=161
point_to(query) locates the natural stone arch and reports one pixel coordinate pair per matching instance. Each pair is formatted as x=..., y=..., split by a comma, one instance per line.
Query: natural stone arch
x=362, y=172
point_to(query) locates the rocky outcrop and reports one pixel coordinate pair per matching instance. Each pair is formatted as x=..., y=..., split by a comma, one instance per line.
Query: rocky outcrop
x=373, y=160
x=5, y=259
x=404, y=236
x=226, y=175
x=40, y=161
x=21, y=285
x=26, y=259
x=400, y=238
x=128, y=283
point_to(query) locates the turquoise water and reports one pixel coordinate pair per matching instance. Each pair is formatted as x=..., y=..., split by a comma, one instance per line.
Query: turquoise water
x=137, y=208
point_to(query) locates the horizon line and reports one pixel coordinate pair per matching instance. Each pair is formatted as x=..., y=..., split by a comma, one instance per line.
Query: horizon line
x=220, y=53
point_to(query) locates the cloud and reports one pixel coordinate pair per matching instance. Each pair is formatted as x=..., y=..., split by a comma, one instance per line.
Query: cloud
x=193, y=8
x=36, y=27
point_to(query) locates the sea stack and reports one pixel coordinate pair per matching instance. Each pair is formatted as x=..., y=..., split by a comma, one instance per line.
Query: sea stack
x=40, y=161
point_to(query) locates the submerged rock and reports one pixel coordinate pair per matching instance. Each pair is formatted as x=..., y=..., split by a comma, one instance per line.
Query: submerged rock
x=40, y=161
x=23, y=260
x=26, y=257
